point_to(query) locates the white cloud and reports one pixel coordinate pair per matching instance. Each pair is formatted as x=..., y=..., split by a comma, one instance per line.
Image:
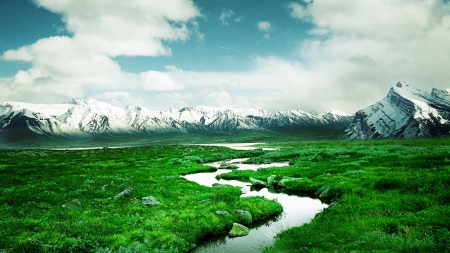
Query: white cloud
x=119, y=98
x=297, y=10
x=375, y=44
x=264, y=26
x=239, y=19
x=225, y=16
x=73, y=66
x=158, y=81
x=125, y=28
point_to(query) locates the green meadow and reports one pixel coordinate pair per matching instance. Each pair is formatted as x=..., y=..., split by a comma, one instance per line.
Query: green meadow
x=383, y=196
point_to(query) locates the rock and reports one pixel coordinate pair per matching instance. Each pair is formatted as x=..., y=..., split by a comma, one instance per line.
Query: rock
x=243, y=216
x=73, y=204
x=324, y=194
x=223, y=213
x=124, y=193
x=217, y=185
x=228, y=166
x=150, y=200
x=104, y=187
x=273, y=179
x=257, y=183
x=239, y=230
x=285, y=180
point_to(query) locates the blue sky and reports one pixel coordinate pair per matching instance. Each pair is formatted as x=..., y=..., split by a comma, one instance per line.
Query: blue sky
x=273, y=54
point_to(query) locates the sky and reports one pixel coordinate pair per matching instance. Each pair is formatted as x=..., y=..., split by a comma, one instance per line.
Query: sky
x=273, y=54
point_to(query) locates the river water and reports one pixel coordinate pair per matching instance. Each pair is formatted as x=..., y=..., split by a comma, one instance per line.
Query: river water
x=296, y=211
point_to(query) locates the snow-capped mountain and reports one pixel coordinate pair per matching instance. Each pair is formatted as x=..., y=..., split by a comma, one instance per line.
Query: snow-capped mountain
x=405, y=112
x=88, y=118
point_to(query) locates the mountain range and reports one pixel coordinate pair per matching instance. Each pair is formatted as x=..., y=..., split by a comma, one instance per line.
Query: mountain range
x=405, y=112
x=92, y=118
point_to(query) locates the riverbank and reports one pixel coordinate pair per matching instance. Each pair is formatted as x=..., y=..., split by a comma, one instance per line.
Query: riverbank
x=296, y=210
x=385, y=196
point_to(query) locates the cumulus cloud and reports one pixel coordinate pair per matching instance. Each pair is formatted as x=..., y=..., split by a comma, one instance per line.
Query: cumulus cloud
x=297, y=10
x=119, y=98
x=68, y=66
x=374, y=45
x=264, y=26
x=125, y=28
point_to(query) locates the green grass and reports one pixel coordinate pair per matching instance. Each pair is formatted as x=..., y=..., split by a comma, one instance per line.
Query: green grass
x=36, y=183
x=384, y=196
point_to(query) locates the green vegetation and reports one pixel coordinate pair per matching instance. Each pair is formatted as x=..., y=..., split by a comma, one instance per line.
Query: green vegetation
x=384, y=196
x=75, y=201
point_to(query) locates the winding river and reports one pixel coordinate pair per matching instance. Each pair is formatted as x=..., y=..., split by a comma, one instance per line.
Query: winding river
x=296, y=211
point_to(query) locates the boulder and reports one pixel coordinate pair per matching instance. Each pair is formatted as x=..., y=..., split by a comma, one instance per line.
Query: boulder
x=228, y=166
x=124, y=193
x=73, y=204
x=325, y=192
x=223, y=213
x=257, y=183
x=239, y=230
x=150, y=200
x=285, y=180
x=273, y=180
x=243, y=216
x=104, y=187
x=217, y=185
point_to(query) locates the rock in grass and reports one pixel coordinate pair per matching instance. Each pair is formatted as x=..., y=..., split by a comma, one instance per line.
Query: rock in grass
x=73, y=204
x=150, y=200
x=223, y=213
x=124, y=193
x=243, y=216
x=285, y=180
x=273, y=179
x=257, y=183
x=217, y=185
x=239, y=230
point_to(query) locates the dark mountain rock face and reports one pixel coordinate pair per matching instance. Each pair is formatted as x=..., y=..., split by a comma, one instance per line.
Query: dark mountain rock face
x=405, y=112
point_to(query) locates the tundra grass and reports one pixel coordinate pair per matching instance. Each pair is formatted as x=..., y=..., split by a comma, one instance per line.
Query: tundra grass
x=64, y=201
x=385, y=196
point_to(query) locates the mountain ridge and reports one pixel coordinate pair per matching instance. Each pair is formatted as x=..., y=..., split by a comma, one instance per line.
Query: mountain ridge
x=406, y=112
x=90, y=118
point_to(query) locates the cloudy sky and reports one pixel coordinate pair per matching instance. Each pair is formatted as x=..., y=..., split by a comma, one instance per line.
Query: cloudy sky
x=273, y=54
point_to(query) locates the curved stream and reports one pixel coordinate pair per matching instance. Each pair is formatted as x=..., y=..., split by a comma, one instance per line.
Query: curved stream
x=296, y=211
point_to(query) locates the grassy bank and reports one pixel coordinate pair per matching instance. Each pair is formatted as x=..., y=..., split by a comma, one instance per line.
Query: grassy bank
x=386, y=196
x=64, y=201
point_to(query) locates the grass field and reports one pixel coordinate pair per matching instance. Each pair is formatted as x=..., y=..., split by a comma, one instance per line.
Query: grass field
x=385, y=196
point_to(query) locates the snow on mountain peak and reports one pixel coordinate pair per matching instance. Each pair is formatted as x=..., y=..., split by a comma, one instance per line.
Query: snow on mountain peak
x=92, y=117
x=405, y=112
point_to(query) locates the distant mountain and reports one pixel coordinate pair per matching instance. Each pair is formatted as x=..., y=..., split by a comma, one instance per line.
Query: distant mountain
x=91, y=118
x=405, y=112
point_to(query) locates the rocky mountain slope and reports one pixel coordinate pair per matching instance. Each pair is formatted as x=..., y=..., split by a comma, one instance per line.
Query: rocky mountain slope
x=405, y=112
x=90, y=118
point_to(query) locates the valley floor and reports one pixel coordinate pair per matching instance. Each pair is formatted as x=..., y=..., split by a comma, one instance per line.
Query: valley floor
x=384, y=196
